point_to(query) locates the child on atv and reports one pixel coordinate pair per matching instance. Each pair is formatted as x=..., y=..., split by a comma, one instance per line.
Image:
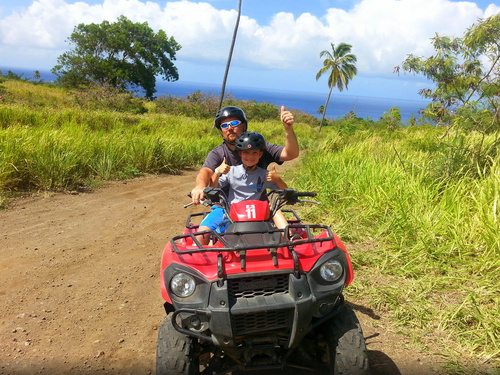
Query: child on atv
x=246, y=181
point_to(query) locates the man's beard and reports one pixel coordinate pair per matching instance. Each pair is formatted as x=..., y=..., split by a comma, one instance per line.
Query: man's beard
x=231, y=142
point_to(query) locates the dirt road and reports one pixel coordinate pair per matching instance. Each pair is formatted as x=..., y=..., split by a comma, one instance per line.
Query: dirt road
x=80, y=288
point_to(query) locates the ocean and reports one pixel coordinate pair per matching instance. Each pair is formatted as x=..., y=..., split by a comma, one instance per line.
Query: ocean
x=309, y=102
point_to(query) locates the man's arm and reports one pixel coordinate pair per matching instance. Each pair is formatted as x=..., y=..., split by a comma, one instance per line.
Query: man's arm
x=291, y=150
x=202, y=181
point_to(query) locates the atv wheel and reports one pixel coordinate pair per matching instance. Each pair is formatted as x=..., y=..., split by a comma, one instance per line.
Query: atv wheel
x=174, y=352
x=346, y=344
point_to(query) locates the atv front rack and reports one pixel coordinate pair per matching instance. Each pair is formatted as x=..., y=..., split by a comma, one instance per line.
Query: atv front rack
x=244, y=241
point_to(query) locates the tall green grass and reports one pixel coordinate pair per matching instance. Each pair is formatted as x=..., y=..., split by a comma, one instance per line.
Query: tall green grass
x=75, y=144
x=436, y=262
x=66, y=156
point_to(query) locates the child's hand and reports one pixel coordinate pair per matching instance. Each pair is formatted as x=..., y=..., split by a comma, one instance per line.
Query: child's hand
x=272, y=175
x=223, y=168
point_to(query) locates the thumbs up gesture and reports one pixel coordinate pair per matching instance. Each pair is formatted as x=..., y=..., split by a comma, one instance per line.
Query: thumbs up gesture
x=286, y=117
x=272, y=175
x=223, y=168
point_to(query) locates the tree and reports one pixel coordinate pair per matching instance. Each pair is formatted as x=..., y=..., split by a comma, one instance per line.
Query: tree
x=466, y=96
x=341, y=66
x=230, y=56
x=119, y=55
x=392, y=118
x=465, y=71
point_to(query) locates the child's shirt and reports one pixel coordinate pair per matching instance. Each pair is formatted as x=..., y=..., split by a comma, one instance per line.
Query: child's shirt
x=245, y=185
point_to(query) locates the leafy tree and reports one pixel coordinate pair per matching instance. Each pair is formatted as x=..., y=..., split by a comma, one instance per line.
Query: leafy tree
x=392, y=118
x=321, y=109
x=119, y=55
x=341, y=66
x=466, y=96
x=465, y=71
x=11, y=75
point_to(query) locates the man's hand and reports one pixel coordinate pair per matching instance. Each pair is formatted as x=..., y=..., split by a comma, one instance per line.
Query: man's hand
x=202, y=181
x=291, y=150
x=287, y=118
x=197, y=194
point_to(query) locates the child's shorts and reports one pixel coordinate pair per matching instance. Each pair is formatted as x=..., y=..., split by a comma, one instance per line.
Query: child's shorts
x=216, y=220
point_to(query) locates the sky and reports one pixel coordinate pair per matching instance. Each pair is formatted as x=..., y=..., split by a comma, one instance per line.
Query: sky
x=278, y=42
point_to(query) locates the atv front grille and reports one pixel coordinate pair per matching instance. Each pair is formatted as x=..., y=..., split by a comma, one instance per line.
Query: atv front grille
x=262, y=322
x=258, y=304
x=252, y=287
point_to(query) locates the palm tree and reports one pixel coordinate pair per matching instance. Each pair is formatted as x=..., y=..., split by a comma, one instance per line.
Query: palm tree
x=341, y=65
x=230, y=56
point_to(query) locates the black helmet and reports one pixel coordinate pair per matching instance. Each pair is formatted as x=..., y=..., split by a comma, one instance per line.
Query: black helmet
x=229, y=112
x=250, y=141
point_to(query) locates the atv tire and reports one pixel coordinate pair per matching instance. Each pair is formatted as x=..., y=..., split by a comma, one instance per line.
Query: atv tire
x=174, y=351
x=346, y=344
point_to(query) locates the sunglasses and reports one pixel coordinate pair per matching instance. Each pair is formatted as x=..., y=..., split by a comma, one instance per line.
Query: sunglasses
x=233, y=124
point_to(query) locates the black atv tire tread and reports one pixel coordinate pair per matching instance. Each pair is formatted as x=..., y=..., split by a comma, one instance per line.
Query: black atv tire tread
x=349, y=348
x=173, y=351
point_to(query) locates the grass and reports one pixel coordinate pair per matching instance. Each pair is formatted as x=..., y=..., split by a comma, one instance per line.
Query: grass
x=46, y=157
x=438, y=239
x=51, y=139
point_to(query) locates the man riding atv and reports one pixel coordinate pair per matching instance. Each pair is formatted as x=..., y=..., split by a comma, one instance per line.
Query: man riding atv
x=232, y=122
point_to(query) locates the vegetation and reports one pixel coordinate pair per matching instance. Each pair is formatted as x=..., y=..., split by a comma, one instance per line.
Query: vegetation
x=425, y=243
x=340, y=64
x=119, y=55
x=55, y=139
x=466, y=74
x=423, y=231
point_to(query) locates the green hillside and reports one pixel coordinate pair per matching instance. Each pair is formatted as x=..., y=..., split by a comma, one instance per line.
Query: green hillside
x=417, y=205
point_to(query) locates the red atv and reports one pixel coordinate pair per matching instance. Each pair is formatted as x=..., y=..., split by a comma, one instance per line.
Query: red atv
x=258, y=298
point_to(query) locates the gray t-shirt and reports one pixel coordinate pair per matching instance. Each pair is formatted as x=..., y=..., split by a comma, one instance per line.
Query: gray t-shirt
x=244, y=185
x=217, y=155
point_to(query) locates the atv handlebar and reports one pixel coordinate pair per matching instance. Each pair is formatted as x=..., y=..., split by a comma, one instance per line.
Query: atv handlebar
x=288, y=196
x=207, y=203
x=307, y=194
x=278, y=198
x=292, y=193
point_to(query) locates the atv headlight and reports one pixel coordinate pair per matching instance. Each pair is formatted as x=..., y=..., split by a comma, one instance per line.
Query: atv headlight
x=182, y=284
x=331, y=270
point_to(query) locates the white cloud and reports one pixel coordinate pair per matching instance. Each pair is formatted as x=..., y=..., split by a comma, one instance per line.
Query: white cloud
x=492, y=10
x=203, y=31
x=382, y=32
